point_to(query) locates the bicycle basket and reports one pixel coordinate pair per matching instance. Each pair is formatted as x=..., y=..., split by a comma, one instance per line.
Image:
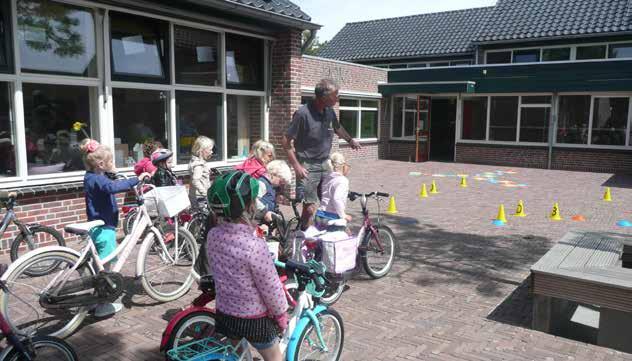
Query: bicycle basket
x=167, y=201
x=211, y=349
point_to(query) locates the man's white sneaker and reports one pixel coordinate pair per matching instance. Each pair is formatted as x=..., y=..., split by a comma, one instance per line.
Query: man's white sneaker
x=107, y=309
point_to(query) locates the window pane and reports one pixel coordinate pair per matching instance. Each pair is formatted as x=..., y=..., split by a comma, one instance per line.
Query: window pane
x=349, y=120
x=139, y=115
x=196, y=56
x=305, y=100
x=397, y=66
x=503, y=57
x=423, y=121
x=369, y=124
x=397, y=117
x=50, y=111
x=432, y=65
x=409, y=124
x=198, y=114
x=620, y=50
x=534, y=125
x=411, y=104
x=56, y=38
x=610, y=120
x=536, y=99
x=369, y=104
x=244, y=62
x=417, y=65
x=526, y=56
x=138, y=48
x=573, y=120
x=556, y=54
x=460, y=62
x=5, y=24
x=349, y=103
x=503, y=119
x=7, y=134
x=591, y=52
x=244, y=124
x=474, y=119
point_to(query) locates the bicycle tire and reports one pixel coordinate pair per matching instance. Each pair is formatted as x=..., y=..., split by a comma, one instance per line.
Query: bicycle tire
x=35, y=229
x=189, y=246
x=128, y=221
x=333, y=293
x=204, y=317
x=76, y=317
x=387, y=238
x=40, y=342
x=308, y=331
x=197, y=225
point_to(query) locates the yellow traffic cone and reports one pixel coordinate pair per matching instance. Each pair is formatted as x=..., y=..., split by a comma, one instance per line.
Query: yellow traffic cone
x=392, y=208
x=463, y=182
x=555, y=213
x=520, y=210
x=424, y=192
x=501, y=214
x=433, y=188
x=607, y=197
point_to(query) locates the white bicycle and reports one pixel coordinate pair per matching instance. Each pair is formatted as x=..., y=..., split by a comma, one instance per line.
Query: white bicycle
x=78, y=280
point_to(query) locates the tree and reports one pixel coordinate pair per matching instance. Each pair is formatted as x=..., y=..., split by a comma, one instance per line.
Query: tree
x=316, y=45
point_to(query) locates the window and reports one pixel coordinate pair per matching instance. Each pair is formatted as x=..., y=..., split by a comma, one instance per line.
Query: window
x=503, y=119
x=244, y=124
x=432, y=65
x=50, y=113
x=610, y=121
x=556, y=54
x=398, y=66
x=198, y=113
x=526, y=56
x=138, y=49
x=574, y=117
x=139, y=115
x=591, y=52
x=5, y=38
x=196, y=56
x=535, y=112
x=360, y=117
x=620, y=50
x=56, y=38
x=417, y=65
x=244, y=62
x=398, y=115
x=474, y=119
x=503, y=57
x=7, y=134
x=460, y=62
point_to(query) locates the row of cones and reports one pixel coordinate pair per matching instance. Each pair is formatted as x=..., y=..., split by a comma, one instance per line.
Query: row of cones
x=423, y=193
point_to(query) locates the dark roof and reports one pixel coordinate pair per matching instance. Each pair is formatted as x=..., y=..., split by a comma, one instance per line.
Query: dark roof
x=534, y=19
x=280, y=7
x=436, y=34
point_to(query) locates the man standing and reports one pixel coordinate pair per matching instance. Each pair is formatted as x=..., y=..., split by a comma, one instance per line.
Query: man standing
x=312, y=130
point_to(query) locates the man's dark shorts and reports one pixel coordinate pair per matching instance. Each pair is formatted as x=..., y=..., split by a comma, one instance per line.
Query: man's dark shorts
x=308, y=187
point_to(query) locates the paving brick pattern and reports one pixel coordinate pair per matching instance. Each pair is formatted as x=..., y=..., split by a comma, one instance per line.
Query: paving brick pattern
x=458, y=290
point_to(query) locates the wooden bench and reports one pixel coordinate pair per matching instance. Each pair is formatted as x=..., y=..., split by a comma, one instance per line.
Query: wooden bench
x=585, y=268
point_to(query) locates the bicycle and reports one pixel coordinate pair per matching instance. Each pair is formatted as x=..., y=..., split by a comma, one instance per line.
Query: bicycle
x=25, y=347
x=79, y=279
x=31, y=235
x=302, y=340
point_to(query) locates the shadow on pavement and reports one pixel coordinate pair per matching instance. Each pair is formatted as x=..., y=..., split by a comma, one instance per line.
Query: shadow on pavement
x=619, y=180
x=517, y=308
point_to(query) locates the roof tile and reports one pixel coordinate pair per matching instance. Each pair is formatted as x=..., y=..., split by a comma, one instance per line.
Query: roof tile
x=281, y=7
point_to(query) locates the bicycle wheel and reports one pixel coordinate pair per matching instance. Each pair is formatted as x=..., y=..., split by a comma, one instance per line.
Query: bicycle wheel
x=378, y=263
x=167, y=272
x=333, y=293
x=44, y=348
x=128, y=221
x=332, y=330
x=197, y=225
x=21, y=305
x=42, y=236
x=195, y=326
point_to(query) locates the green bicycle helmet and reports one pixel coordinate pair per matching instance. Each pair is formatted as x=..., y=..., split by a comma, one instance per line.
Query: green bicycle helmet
x=230, y=192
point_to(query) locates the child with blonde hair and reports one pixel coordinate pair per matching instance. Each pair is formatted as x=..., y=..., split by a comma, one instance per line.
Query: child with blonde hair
x=277, y=174
x=101, y=203
x=201, y=153
x=335, y=187
x=261, y=154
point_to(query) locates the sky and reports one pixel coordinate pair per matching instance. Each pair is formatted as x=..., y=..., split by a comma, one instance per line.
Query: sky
x=334, y=14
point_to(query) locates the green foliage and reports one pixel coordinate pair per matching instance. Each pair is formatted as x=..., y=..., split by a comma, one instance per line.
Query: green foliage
x=315, y=46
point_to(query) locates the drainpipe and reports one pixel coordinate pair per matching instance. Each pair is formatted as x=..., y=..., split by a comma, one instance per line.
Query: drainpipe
x=309, y=41
x=552, y=127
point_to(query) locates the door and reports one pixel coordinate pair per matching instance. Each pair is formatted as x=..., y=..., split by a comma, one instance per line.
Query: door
x=442, y=129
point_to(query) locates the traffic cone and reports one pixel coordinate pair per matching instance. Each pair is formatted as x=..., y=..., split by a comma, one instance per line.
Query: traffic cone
x=433, y=188
x=520, y=210
x=392, y=208
x=607, y=197
x=463, y=182
x=501, y=214
x=424, y=192
x=555, y=213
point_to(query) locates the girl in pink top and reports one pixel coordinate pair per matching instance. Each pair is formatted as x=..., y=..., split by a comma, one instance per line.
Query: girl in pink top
x=145, y=165
x=250, y=300
x=335, y=187
x=261, y=154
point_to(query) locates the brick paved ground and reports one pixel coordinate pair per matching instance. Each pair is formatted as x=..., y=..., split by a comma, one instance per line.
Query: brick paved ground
x=457, y=290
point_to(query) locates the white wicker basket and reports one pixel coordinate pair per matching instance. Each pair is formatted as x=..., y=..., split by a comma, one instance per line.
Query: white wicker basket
x=167, y=201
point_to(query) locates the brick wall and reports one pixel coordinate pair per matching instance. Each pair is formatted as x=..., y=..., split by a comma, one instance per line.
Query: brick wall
x=593, y=160
x=517, y=156
x=350, y=77
x=401, y=150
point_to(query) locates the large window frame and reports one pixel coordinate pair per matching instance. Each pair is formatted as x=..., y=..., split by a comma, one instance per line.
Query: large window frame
x=405, y=111
x=359, y=109
x=104, y=82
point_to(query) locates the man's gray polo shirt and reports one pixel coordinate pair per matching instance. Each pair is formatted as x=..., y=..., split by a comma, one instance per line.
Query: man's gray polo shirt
x=313, y=132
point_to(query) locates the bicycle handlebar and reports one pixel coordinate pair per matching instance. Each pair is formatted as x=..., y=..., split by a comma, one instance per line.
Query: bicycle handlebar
x=305, y=270
x=353, y=195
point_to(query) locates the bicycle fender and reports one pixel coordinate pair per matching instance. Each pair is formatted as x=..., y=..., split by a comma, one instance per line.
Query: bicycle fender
x=26, y=257
x=166, y=334
x=300, y=326
x=142, y=250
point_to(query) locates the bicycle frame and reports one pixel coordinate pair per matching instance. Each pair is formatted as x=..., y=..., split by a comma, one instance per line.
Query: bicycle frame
x=368, y=225
x=24, y=229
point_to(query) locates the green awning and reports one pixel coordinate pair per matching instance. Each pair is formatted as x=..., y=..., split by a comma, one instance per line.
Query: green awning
x=427, y=87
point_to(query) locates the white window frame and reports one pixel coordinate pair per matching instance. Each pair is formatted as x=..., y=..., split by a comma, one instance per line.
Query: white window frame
x=359, y=110
x=403, y=120
x=104, y=85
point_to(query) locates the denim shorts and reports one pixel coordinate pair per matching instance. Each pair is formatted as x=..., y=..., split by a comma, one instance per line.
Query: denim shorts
x=104, y=239
x=265, y=345
x=307, y=188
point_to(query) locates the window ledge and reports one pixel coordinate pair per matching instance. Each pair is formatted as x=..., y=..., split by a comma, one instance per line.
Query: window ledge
x=362, y=141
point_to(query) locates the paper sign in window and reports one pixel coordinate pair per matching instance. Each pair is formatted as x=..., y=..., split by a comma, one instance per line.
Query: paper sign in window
x=232, y=75
x=204, y=54
x=34, y=34
x=133, y=45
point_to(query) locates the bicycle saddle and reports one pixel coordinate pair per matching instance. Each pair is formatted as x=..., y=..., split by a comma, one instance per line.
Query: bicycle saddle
x=82, y=228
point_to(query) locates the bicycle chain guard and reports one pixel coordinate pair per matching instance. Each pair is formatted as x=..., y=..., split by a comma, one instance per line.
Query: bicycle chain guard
x=108, y=286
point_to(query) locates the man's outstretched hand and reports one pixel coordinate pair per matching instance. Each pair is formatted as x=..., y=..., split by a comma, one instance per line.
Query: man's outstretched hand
x=355, y=145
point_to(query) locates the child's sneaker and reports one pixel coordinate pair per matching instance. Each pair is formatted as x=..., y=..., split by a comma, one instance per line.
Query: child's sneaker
x=107, y=309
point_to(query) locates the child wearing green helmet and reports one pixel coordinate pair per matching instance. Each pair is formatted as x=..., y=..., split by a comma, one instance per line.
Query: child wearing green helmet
x=250, y=300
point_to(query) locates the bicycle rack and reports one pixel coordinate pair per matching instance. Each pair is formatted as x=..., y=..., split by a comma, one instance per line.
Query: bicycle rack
x=208, y=349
